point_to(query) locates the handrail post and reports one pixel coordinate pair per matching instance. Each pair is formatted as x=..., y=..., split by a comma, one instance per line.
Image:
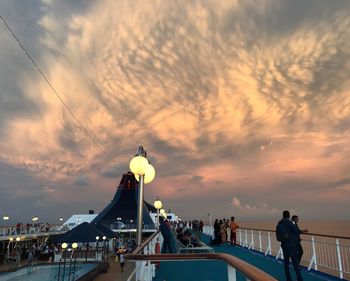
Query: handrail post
x=260, y=244
x=231, y=273
x=279, y=253
x=268, y=250
x=240, y=237
x=313, y=260
x=251, y=245
x=246, y=238
x=340, y=263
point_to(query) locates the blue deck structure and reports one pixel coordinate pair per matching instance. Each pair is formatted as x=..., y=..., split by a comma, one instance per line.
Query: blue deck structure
x=217, y=270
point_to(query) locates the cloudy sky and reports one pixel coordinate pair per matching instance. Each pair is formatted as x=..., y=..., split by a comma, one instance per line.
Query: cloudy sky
x=242, y=106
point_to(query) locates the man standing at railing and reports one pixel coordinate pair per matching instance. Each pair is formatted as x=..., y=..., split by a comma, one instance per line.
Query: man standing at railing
x=287, y=233
x=300, y=252
x=233, y=228
x=168, y=243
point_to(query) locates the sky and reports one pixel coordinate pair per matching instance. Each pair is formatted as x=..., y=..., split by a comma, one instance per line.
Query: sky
x=243, y=106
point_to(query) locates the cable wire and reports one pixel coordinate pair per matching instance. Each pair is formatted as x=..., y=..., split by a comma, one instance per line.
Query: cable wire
x=79, y=124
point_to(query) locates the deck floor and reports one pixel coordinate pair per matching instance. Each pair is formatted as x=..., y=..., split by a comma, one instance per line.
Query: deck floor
x=217, y=270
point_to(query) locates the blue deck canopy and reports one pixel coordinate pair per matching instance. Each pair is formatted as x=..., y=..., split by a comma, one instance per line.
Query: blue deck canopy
x=83, y=233
x=123, y=207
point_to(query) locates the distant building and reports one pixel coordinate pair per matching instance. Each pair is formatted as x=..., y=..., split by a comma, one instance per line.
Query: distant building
x=75, y=220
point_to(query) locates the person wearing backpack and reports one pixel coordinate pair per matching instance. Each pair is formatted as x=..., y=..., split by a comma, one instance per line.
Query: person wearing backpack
x=287, y=233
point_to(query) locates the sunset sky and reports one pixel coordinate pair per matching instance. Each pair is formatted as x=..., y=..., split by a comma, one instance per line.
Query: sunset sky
x=243, y=106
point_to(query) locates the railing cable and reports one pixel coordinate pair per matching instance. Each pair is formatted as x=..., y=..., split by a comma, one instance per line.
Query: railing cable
x=36, y=66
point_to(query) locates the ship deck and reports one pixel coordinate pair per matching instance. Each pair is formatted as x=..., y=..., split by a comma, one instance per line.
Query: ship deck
x=217, y=270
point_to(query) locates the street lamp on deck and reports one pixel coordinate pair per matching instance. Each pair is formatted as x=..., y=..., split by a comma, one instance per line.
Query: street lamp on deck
x=158, y=205
x=144, y=173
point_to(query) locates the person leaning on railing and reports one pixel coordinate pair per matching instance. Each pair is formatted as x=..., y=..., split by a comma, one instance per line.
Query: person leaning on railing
x=287, y=233
x=233, y=227
x=300, y=252
x=168, y=243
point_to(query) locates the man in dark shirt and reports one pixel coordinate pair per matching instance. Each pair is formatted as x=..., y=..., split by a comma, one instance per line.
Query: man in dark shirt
x=300, y=252
x=168, y=243
x=289, y=247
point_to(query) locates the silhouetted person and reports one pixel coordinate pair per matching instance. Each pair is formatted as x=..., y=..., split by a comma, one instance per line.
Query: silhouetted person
x=168, y=243
x=300, y=252
x=233, y=227
x=201, y=224
x=217, y=239
x=287, y=234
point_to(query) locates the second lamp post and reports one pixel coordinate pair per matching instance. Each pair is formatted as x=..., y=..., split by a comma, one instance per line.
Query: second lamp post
x=144, y=173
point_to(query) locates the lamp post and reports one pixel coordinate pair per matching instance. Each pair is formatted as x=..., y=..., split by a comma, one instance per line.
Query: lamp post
x=104, y=245
x=6, y=218
x=97, y=238
x=144, y=173
x=158, y=205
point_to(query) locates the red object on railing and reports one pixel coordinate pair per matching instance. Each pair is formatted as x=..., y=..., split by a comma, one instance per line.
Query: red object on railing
x=157, y=251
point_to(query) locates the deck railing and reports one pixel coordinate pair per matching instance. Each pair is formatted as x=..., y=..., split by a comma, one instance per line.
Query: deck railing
x=10, y=231
x=145, y=256
x=326, y=253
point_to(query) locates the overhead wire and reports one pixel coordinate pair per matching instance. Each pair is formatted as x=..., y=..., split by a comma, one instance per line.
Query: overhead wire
x=36, y=66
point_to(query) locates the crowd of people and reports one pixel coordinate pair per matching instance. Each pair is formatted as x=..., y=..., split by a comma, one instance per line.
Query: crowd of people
x=221, y=228
x=26, y=251
x=183, y=231
x=27, y=228
x=121, y=248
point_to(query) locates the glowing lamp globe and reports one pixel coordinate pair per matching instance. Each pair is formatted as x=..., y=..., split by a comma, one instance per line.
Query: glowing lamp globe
x=149, y=175
x=5, y=218
x=64, y=246
x=158, y=204
x=35, y=219
x=18, y=239
x=104, y=237
x=75, y=245
x=139, y=165
x=162, y=211
x=97, y=237
x=11, y=239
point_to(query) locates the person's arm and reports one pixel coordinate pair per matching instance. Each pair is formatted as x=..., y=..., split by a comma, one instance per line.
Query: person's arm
x=294, y=228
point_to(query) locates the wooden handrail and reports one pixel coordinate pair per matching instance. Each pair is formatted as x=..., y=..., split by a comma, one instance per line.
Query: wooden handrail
x=309, y=233
x=251, y=272
x=144, y=244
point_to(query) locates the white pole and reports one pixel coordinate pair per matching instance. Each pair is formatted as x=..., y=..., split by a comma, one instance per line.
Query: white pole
x=340, y=263
x=157, y=219
x=313, y=260
x=268, y=250
x=231, y=273
x=140, y=211
x=260, y=244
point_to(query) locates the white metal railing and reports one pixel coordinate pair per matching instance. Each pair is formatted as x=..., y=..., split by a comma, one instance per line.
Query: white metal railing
x=329, y=254
x=10, y=231
x=146, y=270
